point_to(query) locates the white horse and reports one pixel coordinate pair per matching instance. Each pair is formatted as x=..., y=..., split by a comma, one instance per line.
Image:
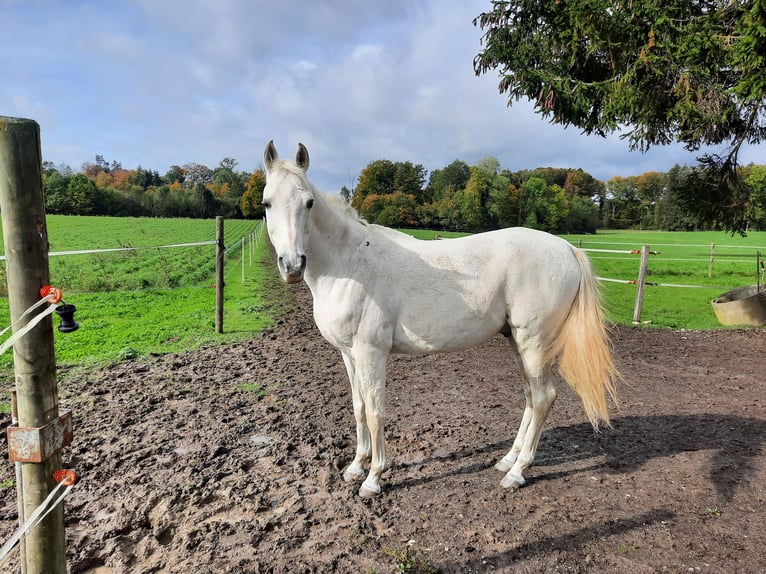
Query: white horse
x=378, y=291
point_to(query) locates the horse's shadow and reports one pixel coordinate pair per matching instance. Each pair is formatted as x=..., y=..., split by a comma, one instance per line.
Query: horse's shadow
x=630, y=443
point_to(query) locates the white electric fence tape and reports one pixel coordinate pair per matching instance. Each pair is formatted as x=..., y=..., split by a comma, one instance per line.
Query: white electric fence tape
x=35, y=518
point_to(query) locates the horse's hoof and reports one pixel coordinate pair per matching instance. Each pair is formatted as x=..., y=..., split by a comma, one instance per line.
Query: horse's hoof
x=366, y=492
x=369, y=489
x=351, y=475
x=503, y=466
x=512, y=481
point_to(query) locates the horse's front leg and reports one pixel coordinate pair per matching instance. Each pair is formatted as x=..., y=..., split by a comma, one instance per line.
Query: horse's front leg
x=370, y=382
x=356, y=469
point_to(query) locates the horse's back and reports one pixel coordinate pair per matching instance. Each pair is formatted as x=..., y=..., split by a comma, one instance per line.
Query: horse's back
x=455, y=294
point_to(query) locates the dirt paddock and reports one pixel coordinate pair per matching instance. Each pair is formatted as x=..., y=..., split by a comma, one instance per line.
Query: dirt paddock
x=229, y=460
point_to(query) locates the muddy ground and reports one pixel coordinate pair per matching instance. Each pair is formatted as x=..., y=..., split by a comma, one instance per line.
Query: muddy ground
x=229, y=460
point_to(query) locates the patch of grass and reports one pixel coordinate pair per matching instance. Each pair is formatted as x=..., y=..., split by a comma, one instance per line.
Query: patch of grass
x=260, y=391
x=714, y=511
x=8, y=483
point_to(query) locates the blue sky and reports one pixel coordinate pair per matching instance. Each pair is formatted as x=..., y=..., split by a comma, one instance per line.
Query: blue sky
x=162, y=82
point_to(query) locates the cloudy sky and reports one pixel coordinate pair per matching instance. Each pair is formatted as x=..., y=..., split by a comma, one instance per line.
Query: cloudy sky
x=162, y=82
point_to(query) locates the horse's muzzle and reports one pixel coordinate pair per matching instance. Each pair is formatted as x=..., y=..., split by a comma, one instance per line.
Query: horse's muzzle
x=292, y=269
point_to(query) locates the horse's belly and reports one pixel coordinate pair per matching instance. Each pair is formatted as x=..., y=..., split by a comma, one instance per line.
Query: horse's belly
x=445, y=334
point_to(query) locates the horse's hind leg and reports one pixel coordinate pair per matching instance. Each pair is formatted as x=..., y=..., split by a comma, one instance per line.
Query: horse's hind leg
x=540, y=394
x=505, y=463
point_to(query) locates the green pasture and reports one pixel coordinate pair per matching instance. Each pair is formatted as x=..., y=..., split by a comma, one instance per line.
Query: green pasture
x=146, y=266
x=681, y=268
x=152, y=300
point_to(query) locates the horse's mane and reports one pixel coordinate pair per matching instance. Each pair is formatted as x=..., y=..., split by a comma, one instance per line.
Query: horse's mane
x=348, y=210
x=334, y=200
x=344, y=206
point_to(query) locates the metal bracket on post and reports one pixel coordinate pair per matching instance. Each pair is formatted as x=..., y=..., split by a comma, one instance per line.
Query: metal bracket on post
x=37, y=444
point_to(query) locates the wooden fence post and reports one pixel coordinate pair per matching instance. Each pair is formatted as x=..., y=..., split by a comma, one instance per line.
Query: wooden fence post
x=710, y=265
x=26, y=250
x=641, y=284
x=220, y=251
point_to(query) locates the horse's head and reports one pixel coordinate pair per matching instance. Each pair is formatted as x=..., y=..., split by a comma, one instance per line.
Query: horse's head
x=288, y=198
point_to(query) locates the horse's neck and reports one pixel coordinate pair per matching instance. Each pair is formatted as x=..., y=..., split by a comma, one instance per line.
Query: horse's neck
x=333, y=243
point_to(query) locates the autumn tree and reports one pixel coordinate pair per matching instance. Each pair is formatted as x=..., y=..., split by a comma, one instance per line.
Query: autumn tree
x=503, y=203
x=250, y=202
x=391, y=209
x=665, y=71
x=471, y=201
x=376, y=178
x=175, y=174
x=384, y=177
x=410, y=179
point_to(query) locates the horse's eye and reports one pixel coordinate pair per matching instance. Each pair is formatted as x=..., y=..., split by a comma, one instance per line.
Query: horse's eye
x=266, y=204
x=309, y=204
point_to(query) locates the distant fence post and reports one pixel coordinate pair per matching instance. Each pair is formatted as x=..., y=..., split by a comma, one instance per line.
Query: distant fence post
x=220, y=251
x=710, y=265
x=26, y=250
x=641, y=284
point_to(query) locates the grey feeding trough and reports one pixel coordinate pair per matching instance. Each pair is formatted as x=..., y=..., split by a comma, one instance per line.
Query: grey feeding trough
x=742, y=306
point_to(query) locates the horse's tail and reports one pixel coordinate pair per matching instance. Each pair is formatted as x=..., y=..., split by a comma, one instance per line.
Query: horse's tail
x=583, y=348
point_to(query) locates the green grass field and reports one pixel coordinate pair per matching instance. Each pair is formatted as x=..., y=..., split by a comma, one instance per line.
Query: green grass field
x=152, y=300
x=142, y=268
x=683, y=259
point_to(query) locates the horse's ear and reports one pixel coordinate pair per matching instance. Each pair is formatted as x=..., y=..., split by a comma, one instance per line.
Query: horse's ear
x=302, y=157
x=269, y=155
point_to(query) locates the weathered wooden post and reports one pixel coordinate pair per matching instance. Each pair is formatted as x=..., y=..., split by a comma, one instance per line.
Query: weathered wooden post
x=26, y=250
x=220, y=251
x=641, y=284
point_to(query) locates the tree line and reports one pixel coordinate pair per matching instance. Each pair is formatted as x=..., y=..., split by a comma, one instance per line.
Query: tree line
x=192, y=190
x=485, y=196
x=457, y=197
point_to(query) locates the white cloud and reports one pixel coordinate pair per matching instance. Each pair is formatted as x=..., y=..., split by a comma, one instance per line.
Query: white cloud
x=162, y=83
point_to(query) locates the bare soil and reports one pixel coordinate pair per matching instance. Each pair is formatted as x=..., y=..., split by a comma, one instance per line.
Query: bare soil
x=229, y=459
